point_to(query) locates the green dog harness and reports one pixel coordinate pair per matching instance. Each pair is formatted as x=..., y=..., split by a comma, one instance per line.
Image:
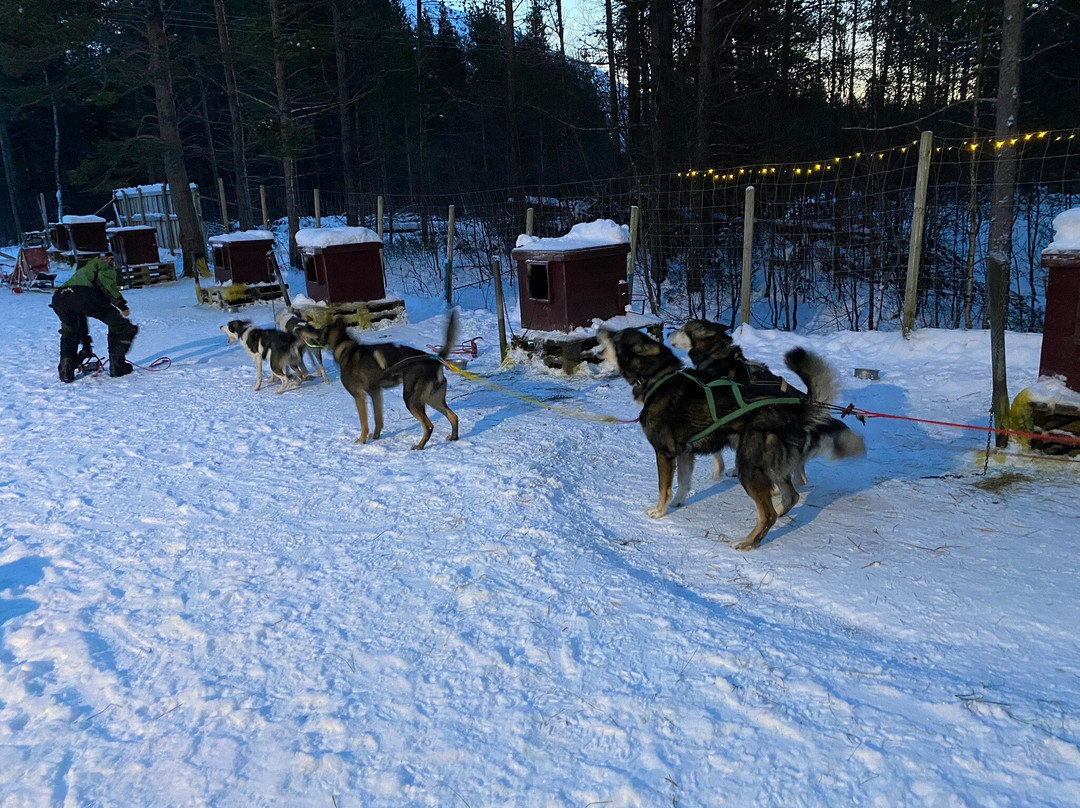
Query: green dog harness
x=718, y=420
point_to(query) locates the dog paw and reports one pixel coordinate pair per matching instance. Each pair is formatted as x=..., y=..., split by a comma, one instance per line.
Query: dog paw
x=744, y=545
x=656, y=513
x=360, y=440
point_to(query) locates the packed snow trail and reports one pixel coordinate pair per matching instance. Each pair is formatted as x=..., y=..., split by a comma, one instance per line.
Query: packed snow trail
x=210, y=596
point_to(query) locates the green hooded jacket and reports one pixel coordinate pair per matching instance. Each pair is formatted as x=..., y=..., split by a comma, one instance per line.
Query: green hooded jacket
x=98, y=273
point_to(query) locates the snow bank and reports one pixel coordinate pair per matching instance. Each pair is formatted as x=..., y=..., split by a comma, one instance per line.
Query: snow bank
x=332, y=236
x=1066, y=231
x=302, y=301
x=242, y=235
x=82, y=219
x=601, y=233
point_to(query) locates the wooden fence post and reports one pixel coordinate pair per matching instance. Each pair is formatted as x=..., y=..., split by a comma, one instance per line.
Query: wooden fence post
x=631, y=259
x=747, y=256
x=500, y=305
x=318, y=212
x=197, y=201
x=224, y=210
x=170, y=235
x=262, y=201
x=918, y=217
x=530, y=221
x=379, y=230
x=142, y=207
x=450, y=256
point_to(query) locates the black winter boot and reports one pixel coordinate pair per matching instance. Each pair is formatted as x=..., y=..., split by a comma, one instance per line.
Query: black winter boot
x=119, y=366
x=66, y=369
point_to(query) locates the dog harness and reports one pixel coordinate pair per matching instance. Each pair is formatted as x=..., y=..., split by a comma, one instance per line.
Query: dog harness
x=736, y=389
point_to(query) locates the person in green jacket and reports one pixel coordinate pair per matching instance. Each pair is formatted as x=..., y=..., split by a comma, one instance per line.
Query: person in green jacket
x=93, y=291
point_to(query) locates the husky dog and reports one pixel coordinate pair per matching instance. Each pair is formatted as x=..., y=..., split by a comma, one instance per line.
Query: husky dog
x=262, y=344
x=676, y=412
x=308, y=336
x=366, y=370
x=713, y=352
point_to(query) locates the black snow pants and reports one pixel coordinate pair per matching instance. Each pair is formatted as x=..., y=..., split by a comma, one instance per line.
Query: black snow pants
x=73, y=304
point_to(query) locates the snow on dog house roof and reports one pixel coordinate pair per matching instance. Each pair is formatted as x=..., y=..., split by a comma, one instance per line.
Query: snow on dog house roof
x=134, y=228
x=242, y=235
x=320, y=237
x=1066, y=231
x=82, y=220
x=600, y=233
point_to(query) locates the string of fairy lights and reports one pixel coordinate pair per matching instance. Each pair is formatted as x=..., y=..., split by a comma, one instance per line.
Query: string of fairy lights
x=824, y=166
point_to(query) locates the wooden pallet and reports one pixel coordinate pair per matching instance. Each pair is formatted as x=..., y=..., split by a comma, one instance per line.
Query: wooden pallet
x=1063, y=419
x=239, y=294
x=569, y=353
x=362, y=315
x=142, y=275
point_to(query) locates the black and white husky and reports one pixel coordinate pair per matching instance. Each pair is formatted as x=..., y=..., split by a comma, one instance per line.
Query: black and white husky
x=309, y=341
x=267, y=344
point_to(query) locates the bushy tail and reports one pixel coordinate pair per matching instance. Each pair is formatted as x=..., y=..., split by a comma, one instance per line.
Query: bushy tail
x=815, y=373
x=450, y=340
x=840, y=442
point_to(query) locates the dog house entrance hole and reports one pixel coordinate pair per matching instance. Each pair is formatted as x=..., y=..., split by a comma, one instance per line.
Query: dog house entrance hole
x=538, y=281
x=311, y=269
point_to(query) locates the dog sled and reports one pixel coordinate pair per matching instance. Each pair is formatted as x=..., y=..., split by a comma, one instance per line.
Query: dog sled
x=31, y=269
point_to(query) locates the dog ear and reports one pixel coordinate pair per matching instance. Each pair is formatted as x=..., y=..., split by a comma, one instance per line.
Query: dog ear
x=712, y=330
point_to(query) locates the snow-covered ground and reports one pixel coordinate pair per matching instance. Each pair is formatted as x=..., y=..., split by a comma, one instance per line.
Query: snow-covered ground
x=211, y=596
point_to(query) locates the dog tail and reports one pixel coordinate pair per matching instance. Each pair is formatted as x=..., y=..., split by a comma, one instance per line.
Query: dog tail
x=835, y=439
x=815, y=373
x=450, y=340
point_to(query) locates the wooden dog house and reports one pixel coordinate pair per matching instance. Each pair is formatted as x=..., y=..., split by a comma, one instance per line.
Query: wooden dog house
x=562, y=289
x=1052, y=406
x=136, y=258
x=243, y=257
x=80, y=237
x=342, y=264
x=1061, y=328
x=132, y=246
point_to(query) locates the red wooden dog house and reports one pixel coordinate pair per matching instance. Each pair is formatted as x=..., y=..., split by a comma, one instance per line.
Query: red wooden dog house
x=561, y=288
x=135, y=256
x=1061, y=328
x=80, y=236
x=133, y=246
x=243, y=257
x=342, y=264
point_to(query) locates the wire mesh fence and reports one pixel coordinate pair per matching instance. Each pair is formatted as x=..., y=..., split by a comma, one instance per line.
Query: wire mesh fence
x=830, y=237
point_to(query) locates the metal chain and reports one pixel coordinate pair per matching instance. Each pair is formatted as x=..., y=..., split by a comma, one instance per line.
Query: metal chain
x=989, y=437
